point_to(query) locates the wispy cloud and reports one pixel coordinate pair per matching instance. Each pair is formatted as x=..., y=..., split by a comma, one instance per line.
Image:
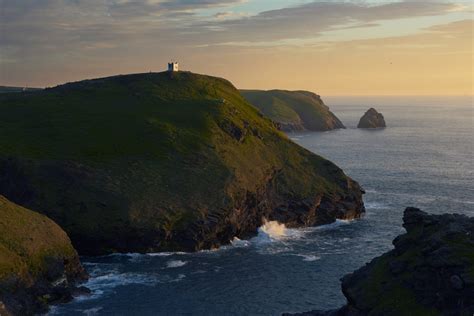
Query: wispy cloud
x=50, y=35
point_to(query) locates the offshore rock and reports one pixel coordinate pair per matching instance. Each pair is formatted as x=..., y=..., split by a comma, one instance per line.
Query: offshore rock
x=372, y=119
x=430, y=271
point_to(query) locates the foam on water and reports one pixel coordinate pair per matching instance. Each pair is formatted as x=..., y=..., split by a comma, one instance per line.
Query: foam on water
x=375, y=206
x=308, y=257
x=165, y=254
x=92, y=311
x=239, y=243
x=175, y=263
x=113, y=279
x=272, y=230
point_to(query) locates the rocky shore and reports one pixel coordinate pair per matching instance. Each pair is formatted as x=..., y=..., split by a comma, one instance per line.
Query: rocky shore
x=429, y=272
x=38, y=265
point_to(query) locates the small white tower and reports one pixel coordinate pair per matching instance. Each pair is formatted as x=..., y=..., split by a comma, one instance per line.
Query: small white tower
x=173, y=66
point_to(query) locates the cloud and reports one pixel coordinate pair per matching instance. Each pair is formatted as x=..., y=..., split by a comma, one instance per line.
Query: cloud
x=56, y=33
x=311, y=19
x=229, y=15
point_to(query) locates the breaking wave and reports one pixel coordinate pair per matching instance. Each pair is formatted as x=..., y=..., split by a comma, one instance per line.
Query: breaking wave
x=175, y=263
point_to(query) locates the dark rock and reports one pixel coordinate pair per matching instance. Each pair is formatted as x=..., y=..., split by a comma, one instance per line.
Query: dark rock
x=456, y=282
x=81, y=291
x=233, y=130
x=430, y=271
x=371, y=119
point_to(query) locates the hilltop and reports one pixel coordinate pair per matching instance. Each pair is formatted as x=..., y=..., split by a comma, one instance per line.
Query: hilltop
x=161, y=161
x=294, y=110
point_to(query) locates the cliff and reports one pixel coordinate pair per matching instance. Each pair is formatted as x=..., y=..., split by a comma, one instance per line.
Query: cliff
x=430, y=271
x=38, y=264
x=294, y=110
x=159, y=162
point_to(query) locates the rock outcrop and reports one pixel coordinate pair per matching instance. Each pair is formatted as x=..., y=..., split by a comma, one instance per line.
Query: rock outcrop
x=294, y=110
x=38, y=265
x=160, y=162
x=430, y=271
x=371, y=119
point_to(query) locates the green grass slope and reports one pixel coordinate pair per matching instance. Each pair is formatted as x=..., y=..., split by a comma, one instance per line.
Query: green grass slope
x=294, y=110
x=34, y=252
x=160, y=161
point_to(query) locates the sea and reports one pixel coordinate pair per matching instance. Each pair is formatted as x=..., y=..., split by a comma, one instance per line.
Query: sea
x=424, y=158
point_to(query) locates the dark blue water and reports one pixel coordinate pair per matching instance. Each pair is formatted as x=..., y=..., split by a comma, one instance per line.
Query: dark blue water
x=424, y=159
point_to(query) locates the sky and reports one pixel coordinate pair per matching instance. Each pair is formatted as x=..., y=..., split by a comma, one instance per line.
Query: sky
x=358, y=47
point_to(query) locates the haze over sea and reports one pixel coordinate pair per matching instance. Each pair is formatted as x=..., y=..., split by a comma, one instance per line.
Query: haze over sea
x=424, y=158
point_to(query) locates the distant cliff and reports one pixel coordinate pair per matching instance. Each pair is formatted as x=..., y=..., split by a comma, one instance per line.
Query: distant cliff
x=430, y=271
x=294, y=110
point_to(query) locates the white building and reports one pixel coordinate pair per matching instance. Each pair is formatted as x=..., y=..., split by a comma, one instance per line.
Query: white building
x=173, y=66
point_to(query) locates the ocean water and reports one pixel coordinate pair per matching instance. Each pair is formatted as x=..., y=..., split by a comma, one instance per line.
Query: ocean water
x=424, y=158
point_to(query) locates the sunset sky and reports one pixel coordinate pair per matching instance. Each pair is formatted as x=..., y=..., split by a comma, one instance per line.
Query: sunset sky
x=332, y=48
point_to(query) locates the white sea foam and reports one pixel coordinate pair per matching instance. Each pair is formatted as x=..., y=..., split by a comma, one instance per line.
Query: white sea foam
x=376, y=206
x=273, y=229
x=179, y=278
x=337, y=223
x=113, y=279
x=370, y=191
x=309, y=257
x=165, y=254
x=175, y=263
x=239, y=243
x=92, y=311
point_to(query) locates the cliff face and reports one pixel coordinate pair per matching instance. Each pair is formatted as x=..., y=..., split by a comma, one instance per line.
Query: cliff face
x=294, y=110
x=38, y=264
x=158, y=162
x=430, y=271
x=371, y=119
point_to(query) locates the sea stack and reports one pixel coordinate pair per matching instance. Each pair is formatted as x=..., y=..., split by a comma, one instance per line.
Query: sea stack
x=372, y=119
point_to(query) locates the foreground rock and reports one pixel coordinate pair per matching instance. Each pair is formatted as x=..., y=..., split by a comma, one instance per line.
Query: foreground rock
x=294, y=110
x=430, y=271
x=371, y=119
x=38, y=264
x=161, y=162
